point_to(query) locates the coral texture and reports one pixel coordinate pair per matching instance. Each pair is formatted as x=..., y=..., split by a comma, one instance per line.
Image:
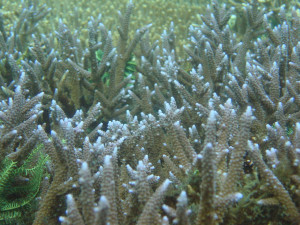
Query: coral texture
x=128, y=120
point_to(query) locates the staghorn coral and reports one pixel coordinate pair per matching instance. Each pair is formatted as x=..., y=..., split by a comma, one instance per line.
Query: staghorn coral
x=23, y=161
x=210, y=136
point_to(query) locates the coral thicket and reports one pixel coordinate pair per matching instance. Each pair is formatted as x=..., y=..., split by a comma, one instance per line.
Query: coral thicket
x=153, y=112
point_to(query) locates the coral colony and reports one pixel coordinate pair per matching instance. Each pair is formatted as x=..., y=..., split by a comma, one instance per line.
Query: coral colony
x=105, y=123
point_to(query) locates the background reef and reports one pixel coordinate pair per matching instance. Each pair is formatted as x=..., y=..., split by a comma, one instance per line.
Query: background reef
x=165, y=112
